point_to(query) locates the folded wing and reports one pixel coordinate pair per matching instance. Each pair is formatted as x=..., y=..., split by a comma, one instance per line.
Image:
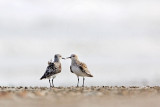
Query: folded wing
x=83, y=68
x=50, y=71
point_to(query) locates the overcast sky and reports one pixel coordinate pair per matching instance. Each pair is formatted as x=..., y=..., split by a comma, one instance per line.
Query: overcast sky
x=80, y=18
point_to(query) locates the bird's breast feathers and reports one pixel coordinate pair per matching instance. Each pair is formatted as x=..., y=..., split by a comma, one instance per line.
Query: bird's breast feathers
x=78, y=71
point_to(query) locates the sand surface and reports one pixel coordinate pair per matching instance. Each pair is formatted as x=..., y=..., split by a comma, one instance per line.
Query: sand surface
x=80, y=97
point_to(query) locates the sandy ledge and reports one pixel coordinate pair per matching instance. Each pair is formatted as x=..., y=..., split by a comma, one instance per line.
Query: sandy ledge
x=80, y=97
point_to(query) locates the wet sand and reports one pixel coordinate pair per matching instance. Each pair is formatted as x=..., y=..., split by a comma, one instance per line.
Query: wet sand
x=80, y=97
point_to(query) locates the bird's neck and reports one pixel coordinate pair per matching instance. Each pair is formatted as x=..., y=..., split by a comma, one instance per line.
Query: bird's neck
x=56, y=60
x=74, y=62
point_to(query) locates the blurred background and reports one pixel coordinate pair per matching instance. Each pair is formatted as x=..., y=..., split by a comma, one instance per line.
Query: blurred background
x=119, y=40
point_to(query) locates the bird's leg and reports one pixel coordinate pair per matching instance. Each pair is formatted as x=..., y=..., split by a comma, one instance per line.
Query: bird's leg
x=83, y=82
x=52, y=83
x=78, y=81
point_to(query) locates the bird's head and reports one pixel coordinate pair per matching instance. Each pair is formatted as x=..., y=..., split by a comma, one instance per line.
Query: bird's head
x=58, y=56
x=73, y=57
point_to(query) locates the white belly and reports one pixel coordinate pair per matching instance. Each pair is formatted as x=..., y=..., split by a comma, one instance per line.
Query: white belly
x=78, y=72
x=53, y=76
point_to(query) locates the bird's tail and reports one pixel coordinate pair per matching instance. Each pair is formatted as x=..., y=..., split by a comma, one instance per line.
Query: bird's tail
x=90, y=75
x=42, y=77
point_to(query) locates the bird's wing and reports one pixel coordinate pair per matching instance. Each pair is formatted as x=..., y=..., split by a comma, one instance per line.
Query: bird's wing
x=71, y=69
x=51, y=70
x=83, y=68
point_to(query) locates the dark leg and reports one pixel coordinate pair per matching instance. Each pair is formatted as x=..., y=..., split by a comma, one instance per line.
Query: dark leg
x=52, y=83
x=83, y=82
x=78, y=81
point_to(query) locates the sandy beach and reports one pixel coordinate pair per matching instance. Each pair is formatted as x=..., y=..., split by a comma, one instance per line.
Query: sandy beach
x=80, y=97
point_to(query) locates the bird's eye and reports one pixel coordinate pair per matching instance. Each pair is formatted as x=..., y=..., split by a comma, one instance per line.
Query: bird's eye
x=73, y=56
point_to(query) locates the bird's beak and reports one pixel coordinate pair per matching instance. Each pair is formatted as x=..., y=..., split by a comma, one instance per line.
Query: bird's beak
x=63, y=58
x=68, y=57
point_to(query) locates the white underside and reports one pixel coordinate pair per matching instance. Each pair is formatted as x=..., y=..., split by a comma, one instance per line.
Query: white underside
x=78, y=72
x=53, y=76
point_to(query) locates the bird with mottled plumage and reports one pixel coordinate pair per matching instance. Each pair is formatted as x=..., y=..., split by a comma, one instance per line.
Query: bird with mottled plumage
x=53, y=69
x=79, y=68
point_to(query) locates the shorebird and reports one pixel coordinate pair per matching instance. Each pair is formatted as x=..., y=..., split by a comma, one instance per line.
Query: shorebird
x=79, y=68
x=53, y=69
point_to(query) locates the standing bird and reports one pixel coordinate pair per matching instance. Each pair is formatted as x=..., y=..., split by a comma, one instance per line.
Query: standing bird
x=79, y=68
x=53, y=69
